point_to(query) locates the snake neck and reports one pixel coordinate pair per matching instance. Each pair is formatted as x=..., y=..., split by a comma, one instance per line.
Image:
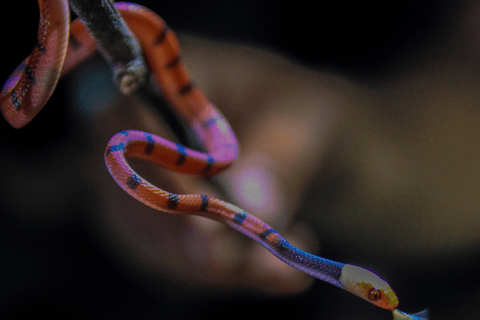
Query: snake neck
x=318, y=267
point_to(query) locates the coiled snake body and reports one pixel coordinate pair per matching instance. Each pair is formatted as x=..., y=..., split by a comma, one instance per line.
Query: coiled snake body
x=32, y=83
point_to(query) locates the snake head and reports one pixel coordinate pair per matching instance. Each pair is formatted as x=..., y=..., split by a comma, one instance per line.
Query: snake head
x=369, y=286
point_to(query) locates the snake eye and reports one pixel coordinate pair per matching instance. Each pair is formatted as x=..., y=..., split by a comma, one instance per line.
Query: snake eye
x=373, y=295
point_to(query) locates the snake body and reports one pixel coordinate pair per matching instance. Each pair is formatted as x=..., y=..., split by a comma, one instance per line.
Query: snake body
x=32, y=83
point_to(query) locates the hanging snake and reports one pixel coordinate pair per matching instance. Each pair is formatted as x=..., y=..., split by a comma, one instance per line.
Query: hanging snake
x=61, y=45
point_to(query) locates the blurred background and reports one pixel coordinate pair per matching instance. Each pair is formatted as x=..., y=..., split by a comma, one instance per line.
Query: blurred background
x=358, y=126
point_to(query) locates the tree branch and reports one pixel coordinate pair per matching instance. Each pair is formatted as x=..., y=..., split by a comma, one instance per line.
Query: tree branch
x=122, y=51
x=115, y=41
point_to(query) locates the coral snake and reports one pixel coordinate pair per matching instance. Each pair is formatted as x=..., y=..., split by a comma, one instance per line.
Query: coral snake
x=60, y=46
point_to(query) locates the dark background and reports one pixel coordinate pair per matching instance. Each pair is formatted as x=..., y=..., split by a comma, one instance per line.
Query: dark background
x=362, y=38
x=59, y=272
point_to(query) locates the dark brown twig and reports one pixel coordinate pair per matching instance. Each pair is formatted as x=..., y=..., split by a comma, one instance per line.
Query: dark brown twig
x=115, y=41
x=121, y=50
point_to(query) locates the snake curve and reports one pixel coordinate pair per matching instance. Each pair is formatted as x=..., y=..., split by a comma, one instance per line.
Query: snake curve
x=54, y=54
